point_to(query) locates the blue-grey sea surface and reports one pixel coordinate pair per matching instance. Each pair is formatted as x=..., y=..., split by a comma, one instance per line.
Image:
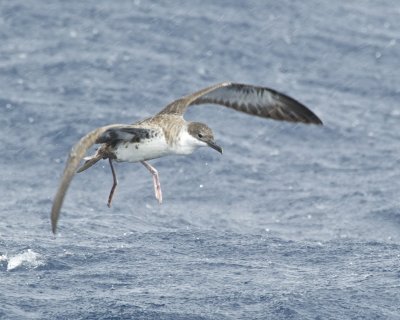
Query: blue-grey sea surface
x=291, y=222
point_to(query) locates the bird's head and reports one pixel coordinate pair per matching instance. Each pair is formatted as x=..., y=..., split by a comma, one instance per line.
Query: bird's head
x=204, y=134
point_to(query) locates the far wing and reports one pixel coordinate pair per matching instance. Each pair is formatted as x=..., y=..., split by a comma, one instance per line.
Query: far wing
x=253, y=100
x=75, y=156
x=111, y=134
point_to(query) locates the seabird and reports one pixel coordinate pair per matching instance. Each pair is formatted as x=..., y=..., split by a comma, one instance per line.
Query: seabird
x=168, y=133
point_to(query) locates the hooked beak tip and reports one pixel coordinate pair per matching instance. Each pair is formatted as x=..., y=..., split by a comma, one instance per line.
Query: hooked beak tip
x=215, y=146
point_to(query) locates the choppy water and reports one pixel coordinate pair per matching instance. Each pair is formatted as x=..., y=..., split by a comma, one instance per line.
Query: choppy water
x=292, y=222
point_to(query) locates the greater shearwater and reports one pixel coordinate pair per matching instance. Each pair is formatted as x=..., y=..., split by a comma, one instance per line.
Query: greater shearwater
x=167, y=133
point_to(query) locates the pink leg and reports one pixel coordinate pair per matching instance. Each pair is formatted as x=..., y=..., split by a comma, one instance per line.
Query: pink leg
x=115, y=183
x=156, y=181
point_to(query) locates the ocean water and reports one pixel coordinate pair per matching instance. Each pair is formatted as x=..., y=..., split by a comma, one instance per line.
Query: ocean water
x=291, y=222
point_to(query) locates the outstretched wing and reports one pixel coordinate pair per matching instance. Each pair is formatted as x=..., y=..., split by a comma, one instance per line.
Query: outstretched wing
x=75, y=156
x=110, y=134
x=253, y=100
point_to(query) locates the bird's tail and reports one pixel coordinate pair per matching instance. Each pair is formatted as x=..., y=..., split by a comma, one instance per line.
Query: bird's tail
x=89, y=162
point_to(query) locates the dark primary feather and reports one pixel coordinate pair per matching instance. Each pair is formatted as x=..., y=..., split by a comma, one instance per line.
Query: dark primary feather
x=253, y=100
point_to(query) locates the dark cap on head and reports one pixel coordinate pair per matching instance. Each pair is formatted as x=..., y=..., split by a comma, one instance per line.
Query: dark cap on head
x=202, y=132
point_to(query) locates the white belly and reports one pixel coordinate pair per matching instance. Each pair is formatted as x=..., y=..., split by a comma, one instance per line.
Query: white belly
x=156, y=147
x=145, y=150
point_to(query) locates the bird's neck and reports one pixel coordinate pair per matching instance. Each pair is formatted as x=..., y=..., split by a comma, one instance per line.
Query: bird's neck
x=176, y=134
x=185, y=143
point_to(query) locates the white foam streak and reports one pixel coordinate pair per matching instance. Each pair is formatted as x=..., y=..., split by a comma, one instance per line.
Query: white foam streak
x=27, y=259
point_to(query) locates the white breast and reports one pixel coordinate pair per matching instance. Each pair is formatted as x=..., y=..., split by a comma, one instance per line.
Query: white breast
x=186, y=144
x=147, y=149
x=157, y=147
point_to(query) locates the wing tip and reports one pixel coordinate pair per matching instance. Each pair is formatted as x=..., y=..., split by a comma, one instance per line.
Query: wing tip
x=315, y=120
x=55, y=213
x=304, y=114
x=54, y=222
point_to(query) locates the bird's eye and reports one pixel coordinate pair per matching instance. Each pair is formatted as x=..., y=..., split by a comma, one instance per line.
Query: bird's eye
x=200, y=135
